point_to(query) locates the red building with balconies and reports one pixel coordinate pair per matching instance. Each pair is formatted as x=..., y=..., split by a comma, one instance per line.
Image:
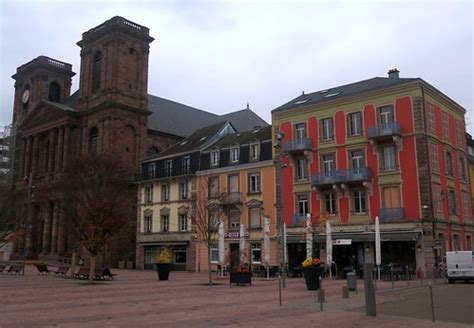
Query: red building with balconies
x=388, y=147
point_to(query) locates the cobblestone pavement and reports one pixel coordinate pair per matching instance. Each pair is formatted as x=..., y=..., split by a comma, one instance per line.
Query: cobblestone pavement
x=138, y=299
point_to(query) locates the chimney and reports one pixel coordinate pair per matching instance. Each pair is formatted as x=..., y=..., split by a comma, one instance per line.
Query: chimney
x=394, y=73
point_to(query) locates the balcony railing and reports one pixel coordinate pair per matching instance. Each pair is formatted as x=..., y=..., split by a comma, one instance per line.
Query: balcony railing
x=175, y=171
x=359, y=174
x=296, y=145
x=326, y=178
x=232, y=198
x=391, y=214
x=299, y=219
x=384, y=130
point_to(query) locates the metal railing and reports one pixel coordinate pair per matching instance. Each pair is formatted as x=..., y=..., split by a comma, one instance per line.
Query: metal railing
x=391, y=214
x=341, y=176
x=326, y=178
x=356, y=174
x=299, y=219
x=384, y=130
x=297, y=145
x=232, y=198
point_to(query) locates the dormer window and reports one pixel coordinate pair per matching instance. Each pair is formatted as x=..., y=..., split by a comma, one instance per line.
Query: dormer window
x=254, y=151
x=215, y=157
x=234, y=154
x=168, y=168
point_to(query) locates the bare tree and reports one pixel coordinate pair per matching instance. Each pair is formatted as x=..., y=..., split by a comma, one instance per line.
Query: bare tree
x=8, y=217
x=97, y=201
x=206, y=213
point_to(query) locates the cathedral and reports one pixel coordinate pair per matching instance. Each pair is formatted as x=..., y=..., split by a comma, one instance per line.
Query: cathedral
x=111, y=112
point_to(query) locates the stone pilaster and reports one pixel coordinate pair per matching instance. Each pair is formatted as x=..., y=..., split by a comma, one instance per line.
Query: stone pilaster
x=34, y=160
x=51, y=152
x=54, y=230
x=47, y=230
x=61, y=231
x=59, y=150
x=27, y=157
x=67, y=135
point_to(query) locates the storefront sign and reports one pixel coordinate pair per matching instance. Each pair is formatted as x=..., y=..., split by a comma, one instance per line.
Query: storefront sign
x=235, y=235
x=342, y=242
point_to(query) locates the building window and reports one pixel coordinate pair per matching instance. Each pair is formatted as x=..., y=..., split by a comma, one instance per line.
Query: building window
x=151, y=171
x=215, y=157
x=214, y=219
x=359, y=202
x=302, y=169
x=449, y=164
x=254, y=151
x=300, y=131
x=465, y=205
x=328, y=163
x=54, y=92
x=255, y=217
x=357, y=159
x=452, y=202
x=183, y=222
x=149, y=194
x=165, y=223
x=327, y=129
x=214, y=253
x=93, y=138
x=459, y=134
x=234, y=154
x=462, y=170
x=438, y=202
x=330, y=202
x=303, y=206
x=446, y=125
x=456, y=243
x=234, y=219
x=389, y=162
x=468, y=243
x=434, y=156
x=256, y=253
x=168, y=168
x=355, y=124
x=386, y=116
x=165, y=193
x=96, y=71
x=186, y=165
x=147, y=224
x=431, y=118
x=183, y=190
x=254, y=183
x=179, y=255
x=213, y=186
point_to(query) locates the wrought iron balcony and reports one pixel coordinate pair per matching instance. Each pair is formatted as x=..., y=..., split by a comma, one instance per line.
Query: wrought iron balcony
x=391, y=214
x=384, y=130
x=232, y=198
x=297, y=145
x=360, y=174
x=326, y=178
x=299, y=219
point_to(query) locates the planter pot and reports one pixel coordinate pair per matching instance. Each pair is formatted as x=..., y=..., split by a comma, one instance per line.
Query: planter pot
x=163, y=270
x=240, y=278
x=311, y=276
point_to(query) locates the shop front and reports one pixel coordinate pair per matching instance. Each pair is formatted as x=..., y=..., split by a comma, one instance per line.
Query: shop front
x=179, y=252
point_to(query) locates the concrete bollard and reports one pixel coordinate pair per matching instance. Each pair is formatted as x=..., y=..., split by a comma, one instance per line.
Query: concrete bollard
x=370, y=305
x=345, y=292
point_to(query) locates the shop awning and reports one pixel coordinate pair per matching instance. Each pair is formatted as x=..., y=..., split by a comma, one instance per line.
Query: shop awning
x=370, y=237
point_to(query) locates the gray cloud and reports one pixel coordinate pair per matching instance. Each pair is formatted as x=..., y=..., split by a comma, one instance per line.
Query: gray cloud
x=219, y=55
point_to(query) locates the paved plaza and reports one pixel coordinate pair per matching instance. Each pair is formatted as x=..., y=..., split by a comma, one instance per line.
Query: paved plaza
x=138, y=299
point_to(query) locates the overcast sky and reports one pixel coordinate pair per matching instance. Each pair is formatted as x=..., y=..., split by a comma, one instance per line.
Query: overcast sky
x=217, y=55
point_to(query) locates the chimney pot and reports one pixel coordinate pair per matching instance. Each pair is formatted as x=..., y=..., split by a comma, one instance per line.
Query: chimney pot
x=394, y=73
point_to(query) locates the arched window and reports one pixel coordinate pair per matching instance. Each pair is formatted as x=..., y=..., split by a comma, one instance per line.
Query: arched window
x=96, y=64
x=93, y=136
x=54, y=92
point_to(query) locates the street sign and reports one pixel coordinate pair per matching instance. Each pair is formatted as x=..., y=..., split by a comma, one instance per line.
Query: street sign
x=342, y=242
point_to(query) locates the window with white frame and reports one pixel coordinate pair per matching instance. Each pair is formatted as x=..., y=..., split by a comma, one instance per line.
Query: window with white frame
x=431, y=118
x=256, y=253
x=330, y=203
x=149, y=194
x=357, y=160
x=462, y=169
x=234, y=219
x=434, y=156
x=438, y=202
x=165, y=193
x=183, y=190
x=147, y=223
x=168, y=168
x=355, y=124
x=446, y=125
x=255, y=217
x=214, y=253
x=301, y=169
x=300, y=131
x=254, y=183
x=254, y=151
x=465, y=205
x=328, y=163
x=327, y=130
x=186, y=165
x=215, y=157
x=386, y=116
x=151, y=171
x=183, y=222
x=303, y=205
x=165, y=223
x=234, y=154
x=389, y=161
x=359, y=202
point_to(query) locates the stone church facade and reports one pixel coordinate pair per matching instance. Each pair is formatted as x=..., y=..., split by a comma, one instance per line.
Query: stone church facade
x=111, y=112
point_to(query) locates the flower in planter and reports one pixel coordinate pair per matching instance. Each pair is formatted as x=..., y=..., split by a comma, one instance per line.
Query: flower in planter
x=164, y=255
x=309, y=262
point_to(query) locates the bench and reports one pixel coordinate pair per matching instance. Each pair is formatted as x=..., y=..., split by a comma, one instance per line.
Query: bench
x=42, y=268
x=15, y=268
x=2, y=268
x=82, y=273
x=61, y=271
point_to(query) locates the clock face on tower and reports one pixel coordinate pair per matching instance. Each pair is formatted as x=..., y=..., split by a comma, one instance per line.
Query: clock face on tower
x=26, y=96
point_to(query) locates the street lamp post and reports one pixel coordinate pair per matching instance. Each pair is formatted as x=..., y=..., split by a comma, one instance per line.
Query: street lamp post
x=281, y=220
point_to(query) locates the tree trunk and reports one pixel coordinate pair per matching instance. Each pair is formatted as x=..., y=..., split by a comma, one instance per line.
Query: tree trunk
x=92, y=269
x=209, y=263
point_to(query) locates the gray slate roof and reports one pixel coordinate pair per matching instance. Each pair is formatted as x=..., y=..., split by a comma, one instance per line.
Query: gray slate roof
x=242, y=138
x=347, y=90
